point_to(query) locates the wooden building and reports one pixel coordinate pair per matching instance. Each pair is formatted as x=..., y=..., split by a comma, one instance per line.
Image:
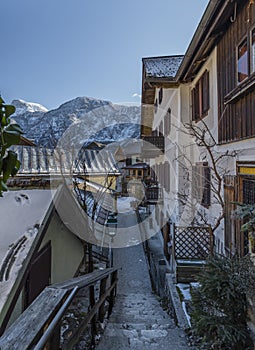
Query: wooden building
x=212, y=90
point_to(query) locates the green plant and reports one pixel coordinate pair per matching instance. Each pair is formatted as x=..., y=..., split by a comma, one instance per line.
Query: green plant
x=219, y=303
x=245, y=212
x=9, y=135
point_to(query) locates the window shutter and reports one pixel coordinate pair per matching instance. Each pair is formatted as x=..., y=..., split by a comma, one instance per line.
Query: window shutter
x=201, y=97
x=206, y=199
x=205, y=93
x=201, y=184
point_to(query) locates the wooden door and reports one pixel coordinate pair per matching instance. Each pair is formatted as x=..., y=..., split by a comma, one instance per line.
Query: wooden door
x=39, y=275
x=232, y=241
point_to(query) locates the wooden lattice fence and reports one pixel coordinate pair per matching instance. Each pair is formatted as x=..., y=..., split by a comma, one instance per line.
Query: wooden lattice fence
x=192, y=242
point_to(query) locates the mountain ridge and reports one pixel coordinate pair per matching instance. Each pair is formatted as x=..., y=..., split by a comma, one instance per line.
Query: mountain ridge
x=76, y=121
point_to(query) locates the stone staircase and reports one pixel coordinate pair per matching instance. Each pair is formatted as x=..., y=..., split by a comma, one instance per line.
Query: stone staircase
x=138, y=322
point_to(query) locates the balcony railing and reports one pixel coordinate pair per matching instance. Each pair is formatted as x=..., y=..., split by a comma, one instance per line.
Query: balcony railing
x=153, y=194
x=153, y=146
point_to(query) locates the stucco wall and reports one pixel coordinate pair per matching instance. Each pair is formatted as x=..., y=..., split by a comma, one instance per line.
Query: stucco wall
x=67, y=254
x=67, y=250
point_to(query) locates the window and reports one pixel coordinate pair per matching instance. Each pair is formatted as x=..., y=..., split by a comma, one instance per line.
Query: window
x=242, y=62
x=246, y=57
x=201, y=184
x=160, y=95
x=248, y=194
x=167, y=122
x=253, y=51
x=200, y=98
x=167, y=176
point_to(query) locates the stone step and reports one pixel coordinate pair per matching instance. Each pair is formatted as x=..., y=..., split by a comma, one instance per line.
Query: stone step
x=138, y=321
x=152, y=311
x=120, y=318
x=139, y=326
x=151, y=340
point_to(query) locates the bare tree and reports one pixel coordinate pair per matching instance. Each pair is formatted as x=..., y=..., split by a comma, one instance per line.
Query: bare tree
x=211, y=160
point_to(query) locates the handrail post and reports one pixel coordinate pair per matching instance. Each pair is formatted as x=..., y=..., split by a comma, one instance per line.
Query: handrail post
x=93, y=321
x=113, y=293
x=173, y=248
x=101, y=312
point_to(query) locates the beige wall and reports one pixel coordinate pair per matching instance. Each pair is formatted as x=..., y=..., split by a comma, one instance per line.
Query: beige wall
x=67, y=250
x=67, y=254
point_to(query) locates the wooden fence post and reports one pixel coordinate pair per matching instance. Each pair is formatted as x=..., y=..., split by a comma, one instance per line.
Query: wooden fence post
x=113, y=292
x=101, y=312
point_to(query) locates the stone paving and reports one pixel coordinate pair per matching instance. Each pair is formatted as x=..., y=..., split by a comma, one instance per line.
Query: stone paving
x=138, y=321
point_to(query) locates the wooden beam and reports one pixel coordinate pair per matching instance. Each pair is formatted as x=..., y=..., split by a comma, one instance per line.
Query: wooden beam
x=30, y=325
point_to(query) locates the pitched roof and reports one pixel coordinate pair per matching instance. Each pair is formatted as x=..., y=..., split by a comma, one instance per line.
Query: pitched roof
x=162, y=67
x=42, y=161
x=96, y=163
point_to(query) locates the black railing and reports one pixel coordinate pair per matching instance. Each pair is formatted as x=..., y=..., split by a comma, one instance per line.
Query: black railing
x=154, y=143
x=153, y=194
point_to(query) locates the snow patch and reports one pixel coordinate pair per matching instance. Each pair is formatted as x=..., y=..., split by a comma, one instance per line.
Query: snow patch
x=30, y=107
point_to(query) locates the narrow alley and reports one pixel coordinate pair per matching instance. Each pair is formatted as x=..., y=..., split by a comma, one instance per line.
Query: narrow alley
x=138, y=321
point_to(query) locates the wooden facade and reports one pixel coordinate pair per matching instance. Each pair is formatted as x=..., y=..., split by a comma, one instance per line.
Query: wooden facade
x=237, y=96
x=236, y=111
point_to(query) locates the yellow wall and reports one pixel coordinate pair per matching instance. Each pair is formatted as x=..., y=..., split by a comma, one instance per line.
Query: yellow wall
x=101, y=180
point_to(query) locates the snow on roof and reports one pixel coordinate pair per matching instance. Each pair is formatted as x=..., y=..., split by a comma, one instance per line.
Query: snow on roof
x=22, y=213
x=101, y=162
x=42, y=161
x=162, y=67
x=131, y=146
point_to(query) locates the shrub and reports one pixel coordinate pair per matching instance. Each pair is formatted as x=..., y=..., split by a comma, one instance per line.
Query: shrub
x=219, y=302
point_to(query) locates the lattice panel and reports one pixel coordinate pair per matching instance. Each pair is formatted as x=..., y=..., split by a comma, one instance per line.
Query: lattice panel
x=192, y=242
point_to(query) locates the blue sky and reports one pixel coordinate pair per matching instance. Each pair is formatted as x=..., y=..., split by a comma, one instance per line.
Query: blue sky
x=55, y=50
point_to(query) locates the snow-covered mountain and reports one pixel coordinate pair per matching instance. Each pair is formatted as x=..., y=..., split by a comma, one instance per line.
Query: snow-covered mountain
x=23, y=106
x=77, y=121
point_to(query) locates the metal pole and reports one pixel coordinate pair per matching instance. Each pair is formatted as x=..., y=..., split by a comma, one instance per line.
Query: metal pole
x=110, y=252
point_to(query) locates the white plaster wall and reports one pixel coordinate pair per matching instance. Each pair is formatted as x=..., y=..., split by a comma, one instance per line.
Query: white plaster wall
x=212, y=118
x=196, y=153
x=171, y=99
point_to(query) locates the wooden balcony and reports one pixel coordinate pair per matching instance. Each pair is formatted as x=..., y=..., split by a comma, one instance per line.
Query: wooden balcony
x=153, y=146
